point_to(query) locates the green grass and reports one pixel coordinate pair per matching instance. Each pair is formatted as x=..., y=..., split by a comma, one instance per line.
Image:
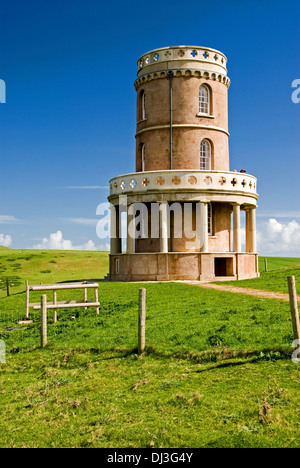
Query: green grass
x=52, y=266
x=179, y=318
x=79, y=399
x=216, y=372
x=274, y=279
x=275, y=263
x=4, y=249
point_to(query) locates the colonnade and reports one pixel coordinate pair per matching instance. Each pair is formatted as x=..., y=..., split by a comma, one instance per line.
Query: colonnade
x=116, y=241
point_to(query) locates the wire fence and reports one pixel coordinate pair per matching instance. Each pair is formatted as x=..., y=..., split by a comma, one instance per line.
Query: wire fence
x=180, y=318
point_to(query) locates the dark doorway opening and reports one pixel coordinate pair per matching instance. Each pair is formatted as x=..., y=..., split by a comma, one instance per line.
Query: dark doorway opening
x=223, y=266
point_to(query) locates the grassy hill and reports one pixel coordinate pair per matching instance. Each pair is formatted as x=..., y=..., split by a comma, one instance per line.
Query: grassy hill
x=50, y=266
x=217, y=371
x=5, y=249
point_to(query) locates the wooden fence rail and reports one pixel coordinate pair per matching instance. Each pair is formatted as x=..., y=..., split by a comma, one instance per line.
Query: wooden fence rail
x=55, y=305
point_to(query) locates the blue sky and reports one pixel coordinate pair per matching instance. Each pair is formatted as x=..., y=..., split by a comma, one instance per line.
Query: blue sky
x=69, y=119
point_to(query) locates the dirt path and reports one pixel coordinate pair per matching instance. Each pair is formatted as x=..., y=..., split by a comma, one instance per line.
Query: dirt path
x=250, y=292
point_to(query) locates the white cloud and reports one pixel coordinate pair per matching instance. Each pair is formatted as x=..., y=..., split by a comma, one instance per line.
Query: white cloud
x=82, y=221
x=5, y=240
x=275, y=238
x=5, y=219
x=57, y=242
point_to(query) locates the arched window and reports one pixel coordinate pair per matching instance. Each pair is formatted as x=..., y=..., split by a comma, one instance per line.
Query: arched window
x=205, y=155
x=143, y=153
x=143, y=105
x=204, y=99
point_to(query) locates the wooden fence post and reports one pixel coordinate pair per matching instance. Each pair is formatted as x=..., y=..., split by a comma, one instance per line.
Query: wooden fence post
x=7, y=288
x=43, y=321
x=27, y=299
x=97, y=300
x=294, y=306
x=85, y=297
x=142, y=320
x=54, y=302
x=266, y=264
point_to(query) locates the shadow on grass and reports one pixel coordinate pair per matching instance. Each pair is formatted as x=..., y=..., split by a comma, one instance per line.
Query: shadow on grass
x=214, y=356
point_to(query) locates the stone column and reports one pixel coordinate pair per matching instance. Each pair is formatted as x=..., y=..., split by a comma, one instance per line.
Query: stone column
x=163, y=227
x=251, y=230
x=130, y=230
x=203, y=227
x=115, y=237
x=237, y=247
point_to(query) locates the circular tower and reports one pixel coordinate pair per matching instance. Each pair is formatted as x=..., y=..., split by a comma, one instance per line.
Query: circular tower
x=183, y=205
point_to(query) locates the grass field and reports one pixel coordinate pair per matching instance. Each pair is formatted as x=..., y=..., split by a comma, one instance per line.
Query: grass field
x=275, y=279
x=217, y=371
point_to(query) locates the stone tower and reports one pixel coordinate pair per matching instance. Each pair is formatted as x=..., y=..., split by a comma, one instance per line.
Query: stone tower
x=183, y=203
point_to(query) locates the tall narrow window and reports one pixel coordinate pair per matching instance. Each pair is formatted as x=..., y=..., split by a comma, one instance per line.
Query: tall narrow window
x=143, y=104
x=209, y=219
x=205, y=155
x=204, y=100
x=143, y=152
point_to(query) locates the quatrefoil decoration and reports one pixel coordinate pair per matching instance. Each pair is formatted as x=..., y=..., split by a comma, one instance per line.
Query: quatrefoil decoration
x=192, y=180
x=133, y=183
x=234, y=182
x=146, y=182
x=207, y=180
x=160, y=181
x=222, y=181
x=176, y=180
x=205, y=55
x=122, y=185
x=194, y=53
